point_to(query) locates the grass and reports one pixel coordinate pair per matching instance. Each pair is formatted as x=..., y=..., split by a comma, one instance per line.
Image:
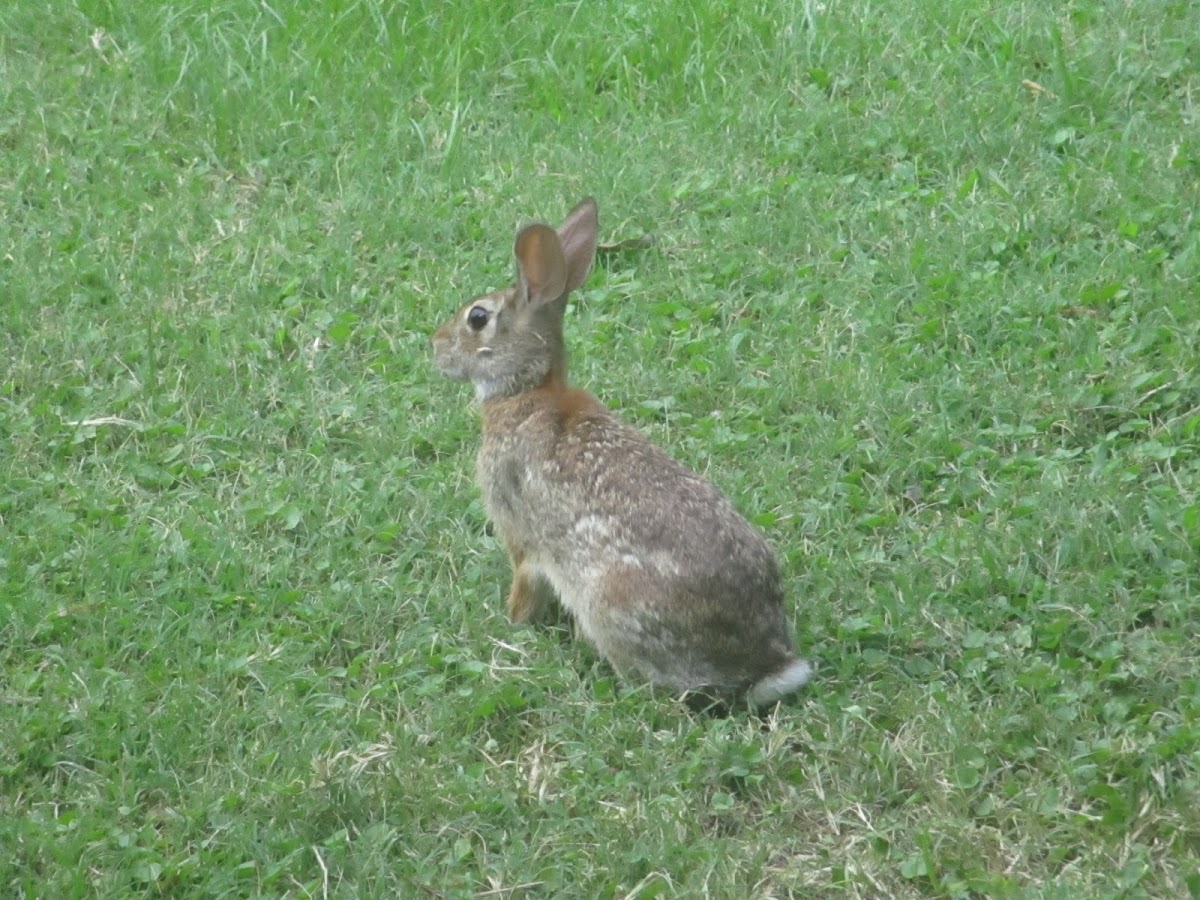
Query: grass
x=922, y=299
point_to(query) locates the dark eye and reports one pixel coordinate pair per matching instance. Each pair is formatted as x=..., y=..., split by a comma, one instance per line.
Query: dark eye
x=477, y=318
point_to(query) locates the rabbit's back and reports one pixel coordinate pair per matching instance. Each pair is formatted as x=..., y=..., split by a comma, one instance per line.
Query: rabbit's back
x=571, y=466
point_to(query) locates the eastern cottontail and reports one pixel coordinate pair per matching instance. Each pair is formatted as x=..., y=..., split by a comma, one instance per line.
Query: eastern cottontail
x=653, y=563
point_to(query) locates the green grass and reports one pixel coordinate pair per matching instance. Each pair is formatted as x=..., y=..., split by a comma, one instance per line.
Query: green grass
x=935, y=331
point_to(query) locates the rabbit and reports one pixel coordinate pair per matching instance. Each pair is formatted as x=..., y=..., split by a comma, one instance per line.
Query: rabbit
x=657, y=569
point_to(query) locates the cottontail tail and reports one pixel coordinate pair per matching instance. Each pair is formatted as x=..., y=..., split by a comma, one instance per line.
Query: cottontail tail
x=653, y=563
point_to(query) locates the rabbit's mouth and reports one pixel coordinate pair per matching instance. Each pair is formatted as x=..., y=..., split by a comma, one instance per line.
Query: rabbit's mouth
x=448, y=362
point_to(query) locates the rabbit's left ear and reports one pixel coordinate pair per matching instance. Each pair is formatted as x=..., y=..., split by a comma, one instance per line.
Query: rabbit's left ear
x=541, y=266
x=577, y=236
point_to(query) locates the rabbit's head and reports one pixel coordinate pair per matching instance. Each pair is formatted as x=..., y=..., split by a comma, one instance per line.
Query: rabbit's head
x=510, y=341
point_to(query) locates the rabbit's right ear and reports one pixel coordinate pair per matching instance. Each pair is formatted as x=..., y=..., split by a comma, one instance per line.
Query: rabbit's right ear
x=577, y=235
x=541, y=266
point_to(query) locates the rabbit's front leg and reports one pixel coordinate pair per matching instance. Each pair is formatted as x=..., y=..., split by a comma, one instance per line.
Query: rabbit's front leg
x=531, y=599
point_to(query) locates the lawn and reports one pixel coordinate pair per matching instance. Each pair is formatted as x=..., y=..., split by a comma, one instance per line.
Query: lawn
x=918, y=290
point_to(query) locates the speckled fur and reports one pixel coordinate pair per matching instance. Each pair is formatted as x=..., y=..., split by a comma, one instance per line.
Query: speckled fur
x=655, y=565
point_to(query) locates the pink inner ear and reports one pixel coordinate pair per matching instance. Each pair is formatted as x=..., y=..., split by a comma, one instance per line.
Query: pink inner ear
x=541, y=267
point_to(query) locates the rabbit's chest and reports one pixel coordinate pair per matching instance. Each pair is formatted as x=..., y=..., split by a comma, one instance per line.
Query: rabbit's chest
x=515, y=490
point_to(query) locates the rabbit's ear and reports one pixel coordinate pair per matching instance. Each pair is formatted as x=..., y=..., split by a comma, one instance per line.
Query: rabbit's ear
x=577, y=235
x=541, y=268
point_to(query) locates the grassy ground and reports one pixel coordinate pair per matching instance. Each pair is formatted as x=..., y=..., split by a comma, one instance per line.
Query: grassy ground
x=923, y=300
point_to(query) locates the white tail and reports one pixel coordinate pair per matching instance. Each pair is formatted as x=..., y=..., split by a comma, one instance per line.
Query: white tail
x=779, y=684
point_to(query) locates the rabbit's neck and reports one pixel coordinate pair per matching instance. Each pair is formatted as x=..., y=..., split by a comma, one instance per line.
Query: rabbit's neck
x=492, y=389
x=566, y=405
x=513, y=385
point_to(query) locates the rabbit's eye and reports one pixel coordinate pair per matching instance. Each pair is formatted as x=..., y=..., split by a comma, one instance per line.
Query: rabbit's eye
x=477, y=318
